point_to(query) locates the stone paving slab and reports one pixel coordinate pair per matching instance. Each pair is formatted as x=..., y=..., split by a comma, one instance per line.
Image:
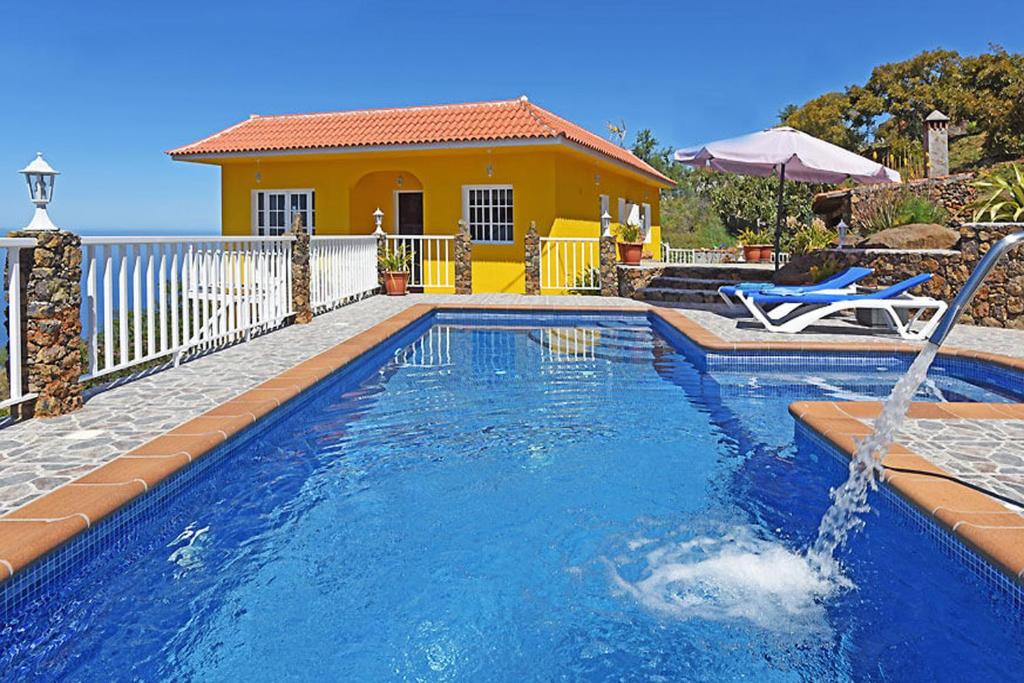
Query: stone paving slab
x=986, y=453
x=39, y=455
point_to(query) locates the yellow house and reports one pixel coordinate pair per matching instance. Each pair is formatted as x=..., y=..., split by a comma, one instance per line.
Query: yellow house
x=499, y=166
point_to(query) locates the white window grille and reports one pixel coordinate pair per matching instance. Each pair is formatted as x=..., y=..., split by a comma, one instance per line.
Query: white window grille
x=274, y=210
x=488, y=213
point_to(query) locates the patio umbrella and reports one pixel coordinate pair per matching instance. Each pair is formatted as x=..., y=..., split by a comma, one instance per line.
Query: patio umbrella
x=790, y=154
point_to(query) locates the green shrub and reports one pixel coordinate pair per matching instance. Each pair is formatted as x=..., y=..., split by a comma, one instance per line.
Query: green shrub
x=1000, y=196
x=895, y=208
x=917, y=209
x=810, y=237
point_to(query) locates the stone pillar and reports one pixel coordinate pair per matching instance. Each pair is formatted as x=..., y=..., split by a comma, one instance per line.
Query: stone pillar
x=463, y=260
x=609, y=267
x=51, y=274
x=300, y=272
x=382, y=251
x=936, y=144
x=532, y=259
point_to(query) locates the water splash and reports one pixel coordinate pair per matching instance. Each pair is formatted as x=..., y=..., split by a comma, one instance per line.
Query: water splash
x=731, y=576
x=849, y=500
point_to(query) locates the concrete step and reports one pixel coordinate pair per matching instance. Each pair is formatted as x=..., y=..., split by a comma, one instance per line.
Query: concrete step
x=721, y=274
x=686, y=283
x=671, y=295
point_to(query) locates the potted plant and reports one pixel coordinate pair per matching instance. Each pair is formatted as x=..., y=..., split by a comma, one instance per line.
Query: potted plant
x=751, y=244
x=631, y=244
x=395, y=267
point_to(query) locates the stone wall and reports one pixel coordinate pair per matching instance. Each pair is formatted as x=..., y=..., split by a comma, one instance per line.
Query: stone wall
x=463, y=260
x=954, y=193
x=531, y=259
x=51, y=310
x=998, y=303
x=634, y=278
x=300, y=273
x=608, y=271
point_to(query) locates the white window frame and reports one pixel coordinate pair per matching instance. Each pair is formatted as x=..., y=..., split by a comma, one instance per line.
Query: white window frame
x=289, y=214
x=465, y=212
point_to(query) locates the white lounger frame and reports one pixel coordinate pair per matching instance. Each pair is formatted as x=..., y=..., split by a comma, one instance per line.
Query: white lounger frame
x=794, y=317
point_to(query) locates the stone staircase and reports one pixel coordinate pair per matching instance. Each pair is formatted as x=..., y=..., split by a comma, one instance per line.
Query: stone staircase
x=697, y=284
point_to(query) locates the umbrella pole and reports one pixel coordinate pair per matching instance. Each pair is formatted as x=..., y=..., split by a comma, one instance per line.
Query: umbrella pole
x=778, y=217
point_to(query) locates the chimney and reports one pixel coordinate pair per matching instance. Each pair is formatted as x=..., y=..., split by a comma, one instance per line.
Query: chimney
x=936, y=143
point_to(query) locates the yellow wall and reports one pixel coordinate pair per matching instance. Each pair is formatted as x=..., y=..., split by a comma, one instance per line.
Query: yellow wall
x=553, y=187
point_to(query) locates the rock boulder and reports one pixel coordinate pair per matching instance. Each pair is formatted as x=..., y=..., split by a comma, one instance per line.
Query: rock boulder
x=913, y=236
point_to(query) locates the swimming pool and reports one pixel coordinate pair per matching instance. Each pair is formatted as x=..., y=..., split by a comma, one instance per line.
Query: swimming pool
x=527, y=497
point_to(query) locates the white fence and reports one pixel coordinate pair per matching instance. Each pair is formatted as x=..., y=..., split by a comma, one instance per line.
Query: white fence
x=150, y=297
x=14, y=372
x=341, y=269
x=705, y=257
x=433, y=263
x=570, y=264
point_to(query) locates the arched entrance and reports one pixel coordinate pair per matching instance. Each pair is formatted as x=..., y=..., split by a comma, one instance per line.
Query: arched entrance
x=397, y=193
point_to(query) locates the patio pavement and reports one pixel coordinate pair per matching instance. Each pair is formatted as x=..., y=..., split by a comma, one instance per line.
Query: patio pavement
x=37, y=456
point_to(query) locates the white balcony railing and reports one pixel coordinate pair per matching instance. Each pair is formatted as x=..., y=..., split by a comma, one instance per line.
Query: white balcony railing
x=10, y=249
x=341, y=269
x=570, y=264
x=704, y=257
x=433, y=263
x=151, y=297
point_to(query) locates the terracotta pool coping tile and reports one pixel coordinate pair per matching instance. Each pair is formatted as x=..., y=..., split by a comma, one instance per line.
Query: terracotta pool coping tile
x=149, y=469
x=195, y=445
x=256, y=409
x=23, y=542
x=92, y=502
x=225, y=425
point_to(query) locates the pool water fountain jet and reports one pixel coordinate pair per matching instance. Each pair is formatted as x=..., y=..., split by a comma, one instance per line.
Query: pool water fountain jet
x=850, y=499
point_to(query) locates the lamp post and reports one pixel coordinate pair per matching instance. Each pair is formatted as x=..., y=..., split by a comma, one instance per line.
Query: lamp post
x=378, y=219
x=40, y=177
x=606, y=222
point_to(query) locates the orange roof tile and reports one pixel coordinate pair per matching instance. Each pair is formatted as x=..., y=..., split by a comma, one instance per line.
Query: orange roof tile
x=438, y=124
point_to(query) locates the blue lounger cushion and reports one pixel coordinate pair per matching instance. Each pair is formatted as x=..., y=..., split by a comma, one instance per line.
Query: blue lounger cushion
x=837, y=281
x=817, y=298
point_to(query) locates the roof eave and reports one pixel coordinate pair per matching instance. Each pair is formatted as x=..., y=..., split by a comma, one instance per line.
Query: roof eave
x=182, y=153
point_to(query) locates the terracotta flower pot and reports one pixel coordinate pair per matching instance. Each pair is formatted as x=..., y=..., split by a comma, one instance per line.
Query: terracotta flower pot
x=752, y=253
x=767, y=254
x=396, y=284
x=630, y=254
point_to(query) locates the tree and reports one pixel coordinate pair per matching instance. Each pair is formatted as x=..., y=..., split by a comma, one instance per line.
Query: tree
x=994, y=103
x=827, y=117
x=896, y=99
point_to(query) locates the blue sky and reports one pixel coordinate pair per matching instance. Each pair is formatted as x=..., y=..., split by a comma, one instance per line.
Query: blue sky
x=103, y=88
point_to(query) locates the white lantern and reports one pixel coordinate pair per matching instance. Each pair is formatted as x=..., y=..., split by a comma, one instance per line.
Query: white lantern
x=378, y=219
x=842, y=228
x=40, y=177
x=606, y=223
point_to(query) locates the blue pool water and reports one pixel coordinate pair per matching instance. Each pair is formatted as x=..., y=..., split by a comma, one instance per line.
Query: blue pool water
x=520, y=498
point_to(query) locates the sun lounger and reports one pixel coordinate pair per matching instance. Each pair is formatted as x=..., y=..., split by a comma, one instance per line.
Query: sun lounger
x=806, y=308
x=845, y=280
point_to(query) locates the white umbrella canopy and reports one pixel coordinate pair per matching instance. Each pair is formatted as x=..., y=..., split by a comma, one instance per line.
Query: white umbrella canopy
x=805, y=157
x=788, y=153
